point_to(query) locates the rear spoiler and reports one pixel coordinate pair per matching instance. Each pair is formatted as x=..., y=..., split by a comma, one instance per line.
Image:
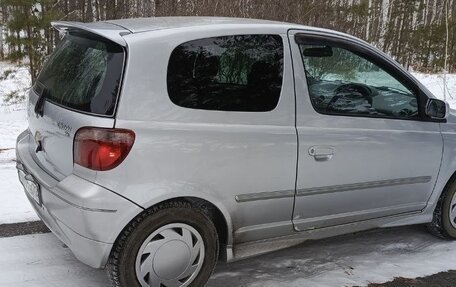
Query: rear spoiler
x=106, y=30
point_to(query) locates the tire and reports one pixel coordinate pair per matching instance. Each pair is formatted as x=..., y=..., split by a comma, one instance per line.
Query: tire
x=172, y=239
x=443, y=224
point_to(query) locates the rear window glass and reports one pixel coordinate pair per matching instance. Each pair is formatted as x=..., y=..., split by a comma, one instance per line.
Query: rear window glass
x=229, y=73
x=83, y=74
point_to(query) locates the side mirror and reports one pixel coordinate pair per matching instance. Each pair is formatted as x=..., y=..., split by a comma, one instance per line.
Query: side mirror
x=437, y=109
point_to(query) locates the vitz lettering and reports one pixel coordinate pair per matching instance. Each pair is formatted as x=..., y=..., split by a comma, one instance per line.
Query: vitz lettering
x=65, y=128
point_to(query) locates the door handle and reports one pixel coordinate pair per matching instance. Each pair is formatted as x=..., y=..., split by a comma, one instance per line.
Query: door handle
x=322, y=153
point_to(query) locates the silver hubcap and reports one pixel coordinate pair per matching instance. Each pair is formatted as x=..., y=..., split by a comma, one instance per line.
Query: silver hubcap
x=171, y=256
x=453, y=211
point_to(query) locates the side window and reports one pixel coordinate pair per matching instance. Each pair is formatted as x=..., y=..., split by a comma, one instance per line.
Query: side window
x=341, y=82
x=231, y=73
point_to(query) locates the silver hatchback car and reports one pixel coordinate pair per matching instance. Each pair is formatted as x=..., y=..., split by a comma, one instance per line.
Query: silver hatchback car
x=157, y=147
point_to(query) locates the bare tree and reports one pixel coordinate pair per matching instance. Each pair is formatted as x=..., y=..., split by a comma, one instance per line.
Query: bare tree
x=410, y=30
x=445, y=69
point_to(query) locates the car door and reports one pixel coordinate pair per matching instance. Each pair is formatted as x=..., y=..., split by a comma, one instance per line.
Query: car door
x=366, y=149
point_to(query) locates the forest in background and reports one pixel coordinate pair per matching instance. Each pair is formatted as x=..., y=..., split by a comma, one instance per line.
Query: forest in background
x=420, y=34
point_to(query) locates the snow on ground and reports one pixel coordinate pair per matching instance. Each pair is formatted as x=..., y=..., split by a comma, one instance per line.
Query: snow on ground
x=14, y=206
x=435, y=84
x=352, y=260
x=42, y=261
x=14, y=79
x=359, y=259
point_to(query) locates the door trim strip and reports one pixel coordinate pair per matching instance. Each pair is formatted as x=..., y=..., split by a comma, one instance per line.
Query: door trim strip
x=363, y=185
x=265, y=195
x=330, y=189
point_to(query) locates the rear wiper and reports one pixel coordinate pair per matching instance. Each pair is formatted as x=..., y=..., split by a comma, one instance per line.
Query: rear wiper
x=39, y=106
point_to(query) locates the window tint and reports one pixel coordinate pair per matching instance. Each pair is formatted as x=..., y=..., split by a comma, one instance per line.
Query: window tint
x=344, y=83
x=83, y=74
x=232, y=73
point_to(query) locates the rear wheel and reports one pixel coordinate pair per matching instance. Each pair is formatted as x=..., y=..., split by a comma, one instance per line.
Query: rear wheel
x=171, y=245
x=444, y=221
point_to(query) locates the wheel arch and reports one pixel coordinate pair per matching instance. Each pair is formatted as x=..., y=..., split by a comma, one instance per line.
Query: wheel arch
x=441, y=187
x=450, y=180
x=216, y=212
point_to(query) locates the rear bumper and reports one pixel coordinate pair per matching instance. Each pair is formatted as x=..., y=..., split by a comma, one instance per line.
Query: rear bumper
x=83, y=215
x=91, y=252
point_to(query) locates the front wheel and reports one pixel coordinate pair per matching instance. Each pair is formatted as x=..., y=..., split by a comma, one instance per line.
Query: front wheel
x=444, y=222
x=173, y=244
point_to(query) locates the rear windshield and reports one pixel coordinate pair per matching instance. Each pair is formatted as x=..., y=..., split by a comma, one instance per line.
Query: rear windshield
x=84, y=74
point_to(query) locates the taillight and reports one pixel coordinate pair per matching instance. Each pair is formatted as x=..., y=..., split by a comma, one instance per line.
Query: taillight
x=100, y=148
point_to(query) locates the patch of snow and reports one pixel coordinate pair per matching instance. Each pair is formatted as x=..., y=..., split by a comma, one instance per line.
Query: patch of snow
x=14, y=206
x=351, y=260
x=435, y=83
x=42, y=261
x=12, y=122
x=13, y=78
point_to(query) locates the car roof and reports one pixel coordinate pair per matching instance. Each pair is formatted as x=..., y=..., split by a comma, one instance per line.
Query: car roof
x=116, y=29
x=137, y=25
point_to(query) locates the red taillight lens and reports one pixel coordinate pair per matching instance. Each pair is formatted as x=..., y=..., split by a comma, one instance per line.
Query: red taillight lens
x=100, y=148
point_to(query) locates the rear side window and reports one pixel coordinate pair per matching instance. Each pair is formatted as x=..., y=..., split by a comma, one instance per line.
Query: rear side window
x=230, y=73
x=83, y=74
